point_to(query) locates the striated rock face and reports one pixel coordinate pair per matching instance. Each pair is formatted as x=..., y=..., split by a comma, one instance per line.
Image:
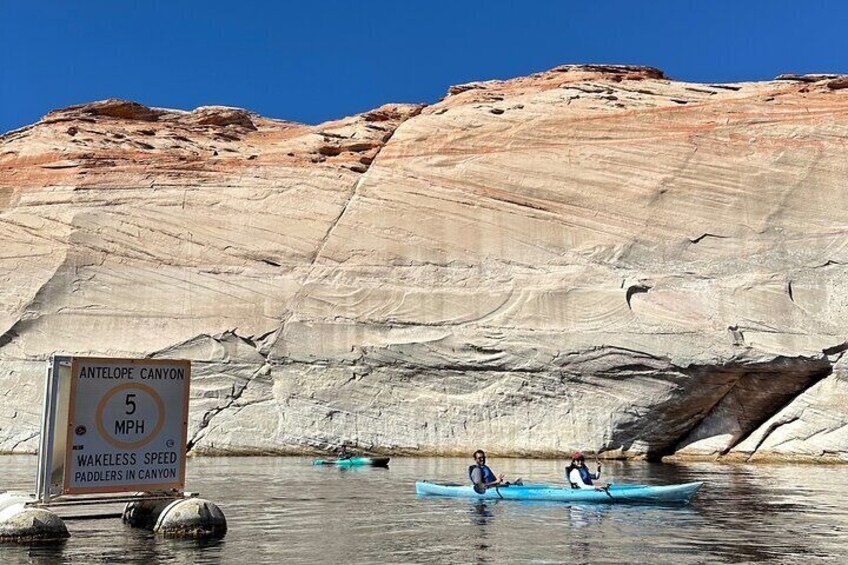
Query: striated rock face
x=593, y=257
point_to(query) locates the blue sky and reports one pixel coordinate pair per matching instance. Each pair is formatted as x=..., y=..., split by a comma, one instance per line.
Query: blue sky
x=314, y=61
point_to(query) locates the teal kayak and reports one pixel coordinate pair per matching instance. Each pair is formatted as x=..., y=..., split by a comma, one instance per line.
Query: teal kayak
x=681, y=493
x=355, y=462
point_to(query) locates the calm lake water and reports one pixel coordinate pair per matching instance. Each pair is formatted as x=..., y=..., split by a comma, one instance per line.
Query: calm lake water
x=284, y=510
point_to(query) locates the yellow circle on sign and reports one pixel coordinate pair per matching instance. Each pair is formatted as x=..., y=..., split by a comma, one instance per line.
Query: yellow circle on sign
x=160, y=420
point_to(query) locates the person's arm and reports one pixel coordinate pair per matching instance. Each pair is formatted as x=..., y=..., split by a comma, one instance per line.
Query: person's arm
x=477, y=476
x=495, y=483
x=597, y=475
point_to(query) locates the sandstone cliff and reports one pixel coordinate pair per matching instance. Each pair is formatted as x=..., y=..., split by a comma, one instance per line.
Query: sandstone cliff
x=593, y=257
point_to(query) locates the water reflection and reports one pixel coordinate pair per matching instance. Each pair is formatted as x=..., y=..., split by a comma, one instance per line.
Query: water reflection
x=37, y=554
x=480, y=514
x=119, y=545
x=286, y=510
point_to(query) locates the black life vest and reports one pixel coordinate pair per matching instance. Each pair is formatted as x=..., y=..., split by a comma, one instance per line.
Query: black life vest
x=585, y=475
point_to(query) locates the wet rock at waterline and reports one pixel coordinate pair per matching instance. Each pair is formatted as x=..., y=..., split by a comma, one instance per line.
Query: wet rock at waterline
x=594, y=257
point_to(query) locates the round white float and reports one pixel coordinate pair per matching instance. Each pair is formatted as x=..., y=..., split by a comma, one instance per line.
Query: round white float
x=25, y=524
x=8, y=499
x=191, y=518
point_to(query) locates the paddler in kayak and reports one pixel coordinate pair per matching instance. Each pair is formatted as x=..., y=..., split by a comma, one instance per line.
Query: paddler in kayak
x=579, y=476
x=342, y=452
x=482, y=476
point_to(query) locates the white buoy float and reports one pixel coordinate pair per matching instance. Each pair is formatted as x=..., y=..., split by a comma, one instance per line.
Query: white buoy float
x=191, y=518
x=20, y=523
x=8, y=499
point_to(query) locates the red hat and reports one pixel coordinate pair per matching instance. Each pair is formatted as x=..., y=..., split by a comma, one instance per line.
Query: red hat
x=577, y=456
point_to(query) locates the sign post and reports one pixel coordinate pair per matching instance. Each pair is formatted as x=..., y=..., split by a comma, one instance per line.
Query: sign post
x=127, y=424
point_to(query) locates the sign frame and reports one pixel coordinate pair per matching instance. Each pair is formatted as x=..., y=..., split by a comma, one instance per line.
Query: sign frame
x=54, y=417
x=177, y=485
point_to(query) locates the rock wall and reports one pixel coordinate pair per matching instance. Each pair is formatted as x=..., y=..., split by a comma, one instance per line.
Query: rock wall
x=592, y=257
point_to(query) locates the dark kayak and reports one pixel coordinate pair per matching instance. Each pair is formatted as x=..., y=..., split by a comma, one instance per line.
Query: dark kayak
x=681, y=493
x=355, y=462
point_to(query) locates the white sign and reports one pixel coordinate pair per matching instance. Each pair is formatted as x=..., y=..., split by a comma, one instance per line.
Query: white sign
x=127, y=425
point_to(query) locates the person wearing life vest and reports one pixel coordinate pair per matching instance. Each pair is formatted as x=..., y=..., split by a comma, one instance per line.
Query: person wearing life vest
x=481, y=476
x=578, y=475
x=342, y=452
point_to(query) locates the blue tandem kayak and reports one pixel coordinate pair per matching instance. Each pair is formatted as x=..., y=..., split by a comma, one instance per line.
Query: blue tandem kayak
x=681, y=493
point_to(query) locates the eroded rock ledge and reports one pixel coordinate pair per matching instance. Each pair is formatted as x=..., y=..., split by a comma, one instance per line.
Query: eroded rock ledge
x=591, y=257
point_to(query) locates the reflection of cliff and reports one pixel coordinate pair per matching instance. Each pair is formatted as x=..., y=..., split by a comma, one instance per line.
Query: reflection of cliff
x=592, y=257
x=751, y=514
